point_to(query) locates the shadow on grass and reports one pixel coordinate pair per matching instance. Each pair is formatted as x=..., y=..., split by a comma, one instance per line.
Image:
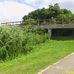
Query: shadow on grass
x=58, y=38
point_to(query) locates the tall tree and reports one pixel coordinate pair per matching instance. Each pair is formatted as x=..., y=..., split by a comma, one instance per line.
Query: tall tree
x=54, y=13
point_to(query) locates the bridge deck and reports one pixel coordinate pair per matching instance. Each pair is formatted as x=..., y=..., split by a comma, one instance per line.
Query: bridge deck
x=54, y=26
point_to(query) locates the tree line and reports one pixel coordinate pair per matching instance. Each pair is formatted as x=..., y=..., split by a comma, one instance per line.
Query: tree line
x=52, y=15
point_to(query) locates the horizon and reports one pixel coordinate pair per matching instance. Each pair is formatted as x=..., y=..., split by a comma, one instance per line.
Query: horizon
x=14, y=10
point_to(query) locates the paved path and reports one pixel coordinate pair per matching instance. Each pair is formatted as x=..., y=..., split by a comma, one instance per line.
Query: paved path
x=64, y=66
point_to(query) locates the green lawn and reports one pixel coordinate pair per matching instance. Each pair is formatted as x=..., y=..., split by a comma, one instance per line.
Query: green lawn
x=42, y=56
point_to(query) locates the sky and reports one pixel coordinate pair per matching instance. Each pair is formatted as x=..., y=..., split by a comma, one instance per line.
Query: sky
x=14, y=10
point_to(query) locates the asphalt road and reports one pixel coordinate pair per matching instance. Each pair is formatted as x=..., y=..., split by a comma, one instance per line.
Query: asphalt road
x=64, y=66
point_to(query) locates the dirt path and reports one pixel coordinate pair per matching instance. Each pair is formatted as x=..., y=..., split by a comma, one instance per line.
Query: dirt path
x=64, y=66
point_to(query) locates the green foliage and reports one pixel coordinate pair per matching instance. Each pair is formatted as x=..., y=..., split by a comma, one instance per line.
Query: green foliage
x=43, y=55
x=52, y=15
x=29, y=21
x=52, y=21
x=16, y=41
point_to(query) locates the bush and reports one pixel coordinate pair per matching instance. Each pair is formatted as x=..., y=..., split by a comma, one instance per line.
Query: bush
x=16, y=41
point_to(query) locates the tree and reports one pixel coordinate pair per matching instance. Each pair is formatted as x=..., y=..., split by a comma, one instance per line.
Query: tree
x=54, y=14
x=30, y=21
x=52, y=21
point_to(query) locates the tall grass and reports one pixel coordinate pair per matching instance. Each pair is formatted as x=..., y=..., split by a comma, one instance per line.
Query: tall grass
x=15, y=41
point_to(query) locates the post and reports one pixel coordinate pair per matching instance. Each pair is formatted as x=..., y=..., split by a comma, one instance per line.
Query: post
x=49, y=33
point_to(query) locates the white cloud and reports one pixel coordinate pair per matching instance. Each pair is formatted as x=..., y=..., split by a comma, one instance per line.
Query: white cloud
x=69, y=4
x=42, y=3
x=38, y=3
x=13, y=11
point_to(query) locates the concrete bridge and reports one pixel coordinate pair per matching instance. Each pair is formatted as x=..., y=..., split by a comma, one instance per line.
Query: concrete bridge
x=12, y=23
x=55, y=30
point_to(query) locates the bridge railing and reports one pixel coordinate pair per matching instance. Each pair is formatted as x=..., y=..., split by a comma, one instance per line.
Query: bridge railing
x=11, y=23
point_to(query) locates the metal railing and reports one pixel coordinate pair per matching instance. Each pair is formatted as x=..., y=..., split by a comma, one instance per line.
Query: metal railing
x=11, y=23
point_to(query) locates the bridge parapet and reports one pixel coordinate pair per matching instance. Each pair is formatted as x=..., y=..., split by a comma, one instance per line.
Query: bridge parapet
x=12, y=23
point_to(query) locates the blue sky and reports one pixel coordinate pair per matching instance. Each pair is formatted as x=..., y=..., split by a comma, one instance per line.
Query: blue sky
x=14, y=10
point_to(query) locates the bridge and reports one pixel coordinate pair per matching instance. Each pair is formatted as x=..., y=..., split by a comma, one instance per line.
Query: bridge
x=12, y=23
x=59, y=30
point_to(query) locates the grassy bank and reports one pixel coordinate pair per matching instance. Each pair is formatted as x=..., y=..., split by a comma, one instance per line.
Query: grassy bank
x=42, y=55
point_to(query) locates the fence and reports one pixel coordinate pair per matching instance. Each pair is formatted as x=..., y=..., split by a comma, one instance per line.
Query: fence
x=11, y=23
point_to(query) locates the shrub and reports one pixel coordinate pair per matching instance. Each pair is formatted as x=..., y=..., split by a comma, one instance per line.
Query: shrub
x=16, y=41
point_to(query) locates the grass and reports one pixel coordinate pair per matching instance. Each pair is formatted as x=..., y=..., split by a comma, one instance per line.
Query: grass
x=42, y=56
